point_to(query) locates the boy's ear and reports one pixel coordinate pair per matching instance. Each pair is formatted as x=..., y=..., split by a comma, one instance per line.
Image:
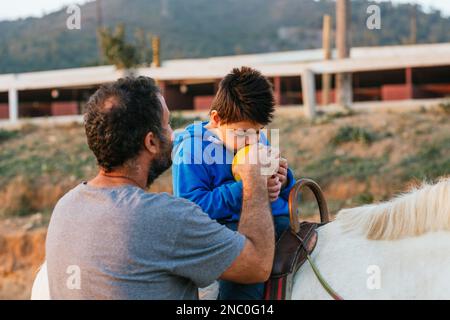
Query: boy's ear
x=214, y=118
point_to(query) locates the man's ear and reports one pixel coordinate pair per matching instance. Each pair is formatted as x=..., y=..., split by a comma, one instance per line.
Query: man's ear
x=151, y=143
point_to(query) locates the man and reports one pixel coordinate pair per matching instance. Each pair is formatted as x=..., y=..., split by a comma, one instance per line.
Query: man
x=109, y=239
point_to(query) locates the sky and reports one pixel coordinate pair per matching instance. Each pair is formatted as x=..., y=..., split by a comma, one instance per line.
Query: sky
x=14, y=9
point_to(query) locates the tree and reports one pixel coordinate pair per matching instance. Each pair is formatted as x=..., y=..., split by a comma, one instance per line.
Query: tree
x=116, y=50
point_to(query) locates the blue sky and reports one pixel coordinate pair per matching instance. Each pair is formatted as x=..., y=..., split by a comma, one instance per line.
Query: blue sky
x=13, y=9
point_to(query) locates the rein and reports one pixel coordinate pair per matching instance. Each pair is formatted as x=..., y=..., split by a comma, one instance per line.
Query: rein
x=322, y=280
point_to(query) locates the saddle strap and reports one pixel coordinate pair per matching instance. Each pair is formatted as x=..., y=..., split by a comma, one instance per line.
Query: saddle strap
x=278, y=288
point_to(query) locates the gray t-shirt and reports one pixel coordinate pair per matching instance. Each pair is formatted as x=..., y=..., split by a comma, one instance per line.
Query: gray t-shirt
x=125, y=243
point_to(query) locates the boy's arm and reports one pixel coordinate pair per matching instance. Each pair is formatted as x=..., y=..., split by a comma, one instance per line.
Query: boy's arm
x=289, y=184
x=191, y=181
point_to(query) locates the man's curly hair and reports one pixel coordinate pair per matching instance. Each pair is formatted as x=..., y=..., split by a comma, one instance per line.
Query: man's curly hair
x=119, y=116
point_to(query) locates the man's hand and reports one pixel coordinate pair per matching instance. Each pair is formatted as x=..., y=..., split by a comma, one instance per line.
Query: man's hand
x=274, y=187
x=251, y=169
x=283, y=172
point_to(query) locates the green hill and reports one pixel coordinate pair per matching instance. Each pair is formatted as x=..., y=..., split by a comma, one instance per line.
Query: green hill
x=201, y=28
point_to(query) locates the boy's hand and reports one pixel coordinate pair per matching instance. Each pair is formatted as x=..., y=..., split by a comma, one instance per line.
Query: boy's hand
x=283, y=172
x=274, y=188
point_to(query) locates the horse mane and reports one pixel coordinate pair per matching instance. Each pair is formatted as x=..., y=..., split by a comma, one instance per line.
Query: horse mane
x=424, y=209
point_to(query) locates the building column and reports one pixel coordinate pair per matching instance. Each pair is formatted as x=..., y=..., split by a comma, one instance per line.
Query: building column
x=309, y=93
x=216, y=85
x=13, y=102
x=409, y=76
x=277, y=90
x=162, y=87
x=409, y=83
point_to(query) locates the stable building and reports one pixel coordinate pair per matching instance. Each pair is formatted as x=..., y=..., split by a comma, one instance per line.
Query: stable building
x=388, y=73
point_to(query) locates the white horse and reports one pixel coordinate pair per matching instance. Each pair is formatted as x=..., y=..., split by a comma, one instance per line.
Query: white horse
x=41, y=290
x=394, y=250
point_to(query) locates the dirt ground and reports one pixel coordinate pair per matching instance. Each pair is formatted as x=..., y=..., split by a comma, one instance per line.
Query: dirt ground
x=22, y=250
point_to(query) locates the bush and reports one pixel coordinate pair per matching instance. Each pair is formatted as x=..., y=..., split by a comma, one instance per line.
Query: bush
x=6, y=135
x=364, y=198
x=445, y=106
x=331, y=166
x=430, y=162
x=356, y=134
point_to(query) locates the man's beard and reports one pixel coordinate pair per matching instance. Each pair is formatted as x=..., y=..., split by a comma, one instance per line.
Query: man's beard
x=160, y=164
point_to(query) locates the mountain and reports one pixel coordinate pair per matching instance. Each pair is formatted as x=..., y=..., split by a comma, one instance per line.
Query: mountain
x=202, y=28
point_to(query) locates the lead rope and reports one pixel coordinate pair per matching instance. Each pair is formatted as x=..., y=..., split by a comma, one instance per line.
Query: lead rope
x=322, y=280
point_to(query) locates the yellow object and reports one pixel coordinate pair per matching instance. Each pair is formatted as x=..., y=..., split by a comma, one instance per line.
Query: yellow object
x=239, y=158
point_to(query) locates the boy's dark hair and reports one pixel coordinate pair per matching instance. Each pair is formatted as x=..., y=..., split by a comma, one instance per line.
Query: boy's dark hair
x=245, y=95
x=119, y=116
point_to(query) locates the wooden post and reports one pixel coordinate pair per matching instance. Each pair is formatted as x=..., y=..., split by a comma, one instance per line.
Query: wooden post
x=309, y=93
x=413, y=25
x=13, y=103
x=99, y=13
x=344, y=80
x=156, y=46
x=326, y=44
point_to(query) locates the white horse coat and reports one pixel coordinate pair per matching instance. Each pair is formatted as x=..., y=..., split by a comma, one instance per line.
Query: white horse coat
x=393, y=250
x=41, y=290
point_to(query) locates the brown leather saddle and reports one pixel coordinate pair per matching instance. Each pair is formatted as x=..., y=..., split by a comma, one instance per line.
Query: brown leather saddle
x=294, y=245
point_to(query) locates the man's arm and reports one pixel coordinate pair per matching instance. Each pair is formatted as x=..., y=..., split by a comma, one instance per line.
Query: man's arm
x=254, y=264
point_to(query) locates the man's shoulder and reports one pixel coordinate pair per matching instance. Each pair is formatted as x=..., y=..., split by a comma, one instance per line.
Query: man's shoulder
x=169, y=203
x=69, y=196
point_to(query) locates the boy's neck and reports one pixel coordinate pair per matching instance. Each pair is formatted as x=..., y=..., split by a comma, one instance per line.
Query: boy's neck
x=209, y=126
x=213, y=129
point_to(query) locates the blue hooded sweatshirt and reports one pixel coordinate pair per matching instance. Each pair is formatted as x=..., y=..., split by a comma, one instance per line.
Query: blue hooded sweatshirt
x=202, y=173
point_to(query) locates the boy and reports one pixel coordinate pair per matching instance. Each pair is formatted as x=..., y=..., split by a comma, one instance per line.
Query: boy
x=203, y=155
